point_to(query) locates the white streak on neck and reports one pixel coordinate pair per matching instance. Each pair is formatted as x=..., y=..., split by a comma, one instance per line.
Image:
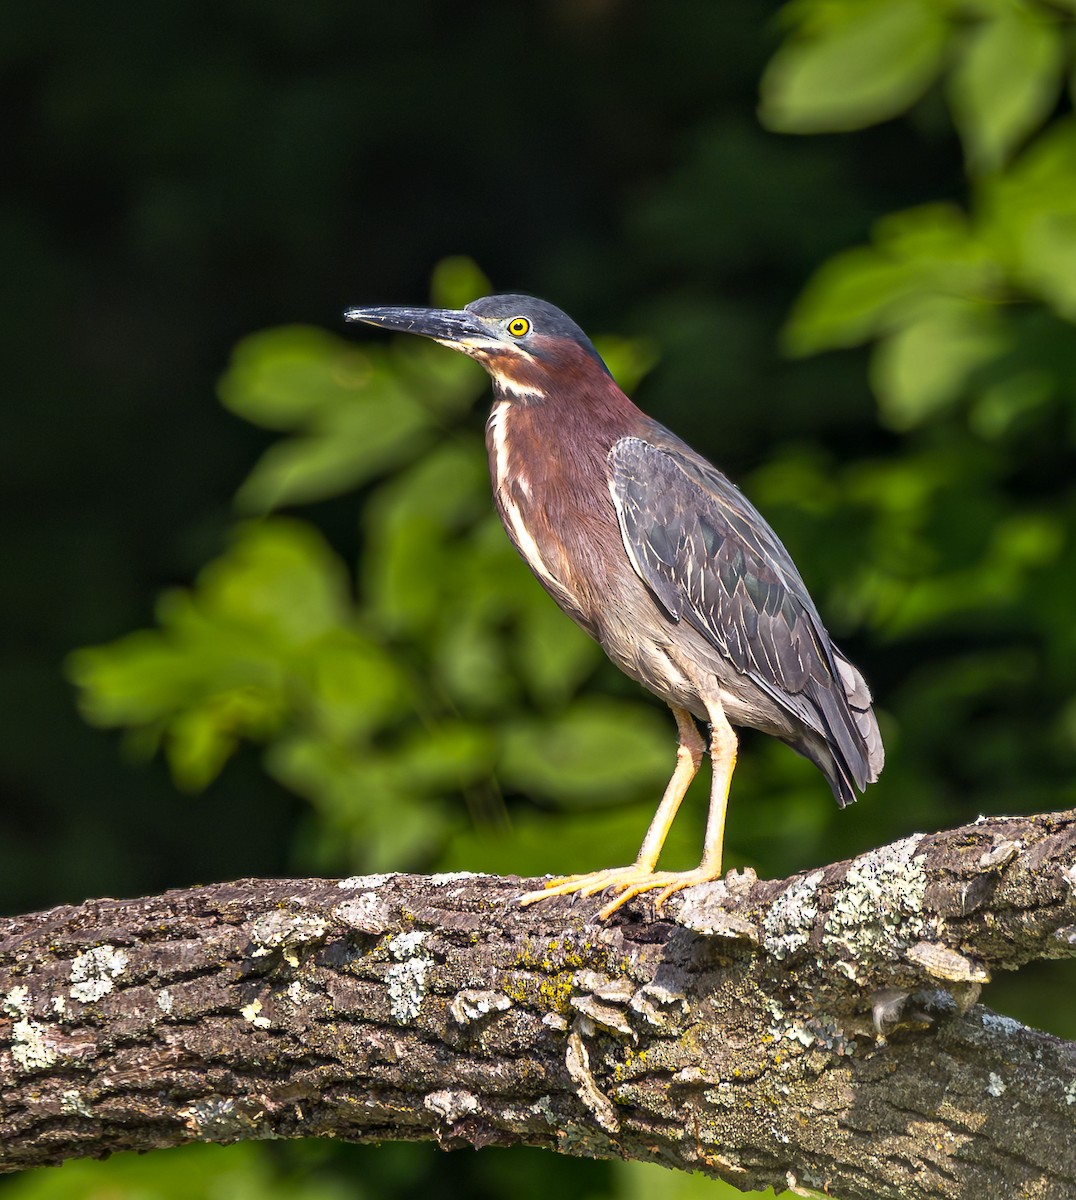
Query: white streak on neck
x=513, y=387
x=498, y=418
x=528, y=547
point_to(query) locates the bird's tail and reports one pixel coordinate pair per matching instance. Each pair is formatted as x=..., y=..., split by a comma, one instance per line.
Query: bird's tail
x=852, y=754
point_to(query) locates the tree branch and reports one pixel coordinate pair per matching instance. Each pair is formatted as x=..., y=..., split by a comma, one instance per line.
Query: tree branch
x=817, y=1031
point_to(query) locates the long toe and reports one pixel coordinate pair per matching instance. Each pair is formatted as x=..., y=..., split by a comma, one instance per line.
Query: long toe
x=628, y=882
x=686, y=879
x=668, y=881
x=593, y=882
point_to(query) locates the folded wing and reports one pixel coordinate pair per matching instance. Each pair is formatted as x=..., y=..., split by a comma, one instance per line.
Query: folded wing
x=710, y=559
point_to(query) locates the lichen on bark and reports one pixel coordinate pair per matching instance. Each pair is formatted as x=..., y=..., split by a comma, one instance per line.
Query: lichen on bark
x=820, y=1031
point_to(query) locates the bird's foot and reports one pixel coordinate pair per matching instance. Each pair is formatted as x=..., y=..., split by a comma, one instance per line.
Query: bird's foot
x=627, y=881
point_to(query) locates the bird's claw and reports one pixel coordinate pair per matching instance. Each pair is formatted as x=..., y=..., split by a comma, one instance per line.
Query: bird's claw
x=628, y=882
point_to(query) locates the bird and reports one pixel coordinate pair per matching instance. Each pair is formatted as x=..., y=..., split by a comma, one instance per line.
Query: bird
x=662, y=560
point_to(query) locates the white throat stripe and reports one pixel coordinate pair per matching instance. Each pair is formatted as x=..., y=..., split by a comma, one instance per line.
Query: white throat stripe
x=528, y=547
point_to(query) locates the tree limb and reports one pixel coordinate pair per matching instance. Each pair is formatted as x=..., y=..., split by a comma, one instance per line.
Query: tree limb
x=818, y=1031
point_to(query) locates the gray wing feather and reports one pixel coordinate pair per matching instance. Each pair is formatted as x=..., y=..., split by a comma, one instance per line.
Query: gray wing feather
x=694, y=543
x=711, y=559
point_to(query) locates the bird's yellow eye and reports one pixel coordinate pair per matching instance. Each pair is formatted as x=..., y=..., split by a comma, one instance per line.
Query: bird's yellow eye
x=519, y=326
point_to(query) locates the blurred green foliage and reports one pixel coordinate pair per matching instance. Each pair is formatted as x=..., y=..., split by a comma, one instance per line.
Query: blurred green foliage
x=847, y=64
x=182, y=178
x=969, y=312
x=447, y=677
x=302, y=1171
x=240, y=1172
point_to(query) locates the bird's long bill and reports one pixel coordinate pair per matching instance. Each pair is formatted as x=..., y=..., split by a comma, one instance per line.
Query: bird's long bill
x=453, y=327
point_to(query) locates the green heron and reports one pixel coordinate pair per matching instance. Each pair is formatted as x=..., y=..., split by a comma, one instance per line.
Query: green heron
x=653, y=552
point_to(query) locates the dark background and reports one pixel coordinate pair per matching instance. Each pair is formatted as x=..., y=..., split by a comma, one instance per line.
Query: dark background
x=180, y=175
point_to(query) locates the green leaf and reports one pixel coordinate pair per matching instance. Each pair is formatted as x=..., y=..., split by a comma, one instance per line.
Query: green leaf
x=356, y=413
x=375, y=429
x=369, y=818
x=198, y=744
x=924, y=365
x=448, y=755
x=457, y=281
x=412, y=569
x=447, y=382
x=598, y=750
x=139, y=678
x=353, y=685
x=283, y=378
x=469, y=661
x=1001, y=405
x=852, y=63
x=279, y=577
x=1029, y=215
x=628, y=359
x=554, y=655
x=917, y=257
x=263, y=633
x=1005, y=82
x=848, y=300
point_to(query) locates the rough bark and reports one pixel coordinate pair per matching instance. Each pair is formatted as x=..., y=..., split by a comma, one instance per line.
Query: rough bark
x=819, y=1031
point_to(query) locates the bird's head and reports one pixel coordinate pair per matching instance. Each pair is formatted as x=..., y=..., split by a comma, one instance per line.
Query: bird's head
x=522, y=342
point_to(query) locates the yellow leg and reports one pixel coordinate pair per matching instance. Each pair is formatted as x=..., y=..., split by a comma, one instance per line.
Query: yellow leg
x=723, y=759
x=641, y=876
x=688, y=758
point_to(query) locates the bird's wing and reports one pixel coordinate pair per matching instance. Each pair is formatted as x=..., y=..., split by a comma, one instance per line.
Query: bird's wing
x=710, y=559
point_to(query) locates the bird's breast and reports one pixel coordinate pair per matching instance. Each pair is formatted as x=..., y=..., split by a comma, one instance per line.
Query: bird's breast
x=515, y=497
x=550, y=484
x=551, y=479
